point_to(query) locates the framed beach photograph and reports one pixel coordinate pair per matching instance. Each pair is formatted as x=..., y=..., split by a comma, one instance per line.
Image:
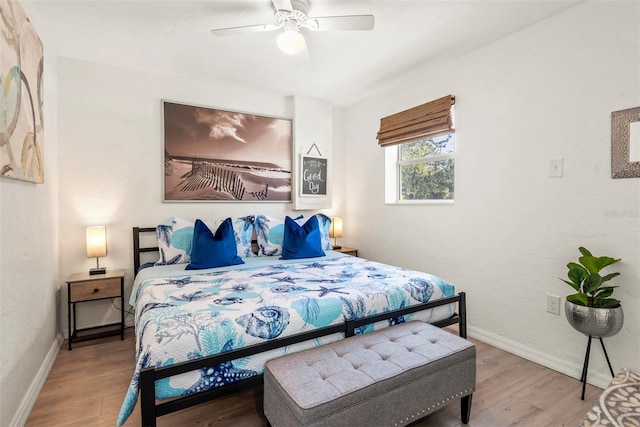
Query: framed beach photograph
x=221, y=155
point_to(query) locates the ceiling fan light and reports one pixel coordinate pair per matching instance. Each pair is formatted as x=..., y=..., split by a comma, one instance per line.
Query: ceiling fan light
x=291, y=42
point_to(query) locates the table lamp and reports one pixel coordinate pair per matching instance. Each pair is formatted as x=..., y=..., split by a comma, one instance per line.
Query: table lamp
x=335, y=230
x=97, y=247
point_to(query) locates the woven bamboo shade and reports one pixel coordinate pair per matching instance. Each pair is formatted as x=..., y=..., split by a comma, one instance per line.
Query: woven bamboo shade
x=426, y=120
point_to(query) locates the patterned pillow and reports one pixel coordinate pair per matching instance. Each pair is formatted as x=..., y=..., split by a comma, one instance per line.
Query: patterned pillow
x=174, y=241
x=270, y=233
x=175, y=235
x=324, y=223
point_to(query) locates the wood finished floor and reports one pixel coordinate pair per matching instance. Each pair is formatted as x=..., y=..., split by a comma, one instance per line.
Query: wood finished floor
x=86, y=387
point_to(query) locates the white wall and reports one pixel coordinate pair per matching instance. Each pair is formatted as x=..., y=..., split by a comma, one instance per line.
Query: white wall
x=313, y=133
x=111, y=162
x=544, y=93
x=29, y=267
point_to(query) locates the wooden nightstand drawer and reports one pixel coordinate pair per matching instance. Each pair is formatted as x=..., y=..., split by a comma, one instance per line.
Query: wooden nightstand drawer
x=95, y=289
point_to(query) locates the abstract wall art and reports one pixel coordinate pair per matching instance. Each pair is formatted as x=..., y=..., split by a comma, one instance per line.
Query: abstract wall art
x=21, y=101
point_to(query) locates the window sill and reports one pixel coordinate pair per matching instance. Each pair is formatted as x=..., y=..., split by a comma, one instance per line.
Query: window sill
x=420, y=203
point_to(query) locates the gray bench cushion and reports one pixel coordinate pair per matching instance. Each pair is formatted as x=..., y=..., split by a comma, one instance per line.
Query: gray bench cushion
x=391, y=376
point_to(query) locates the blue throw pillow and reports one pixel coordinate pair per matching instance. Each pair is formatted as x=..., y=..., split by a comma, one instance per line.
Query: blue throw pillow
x=301, y=241
x=209, y=250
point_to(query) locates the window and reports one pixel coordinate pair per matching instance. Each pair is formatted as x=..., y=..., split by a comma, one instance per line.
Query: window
x=421, y=170
x=425, y=169
x=419, y=146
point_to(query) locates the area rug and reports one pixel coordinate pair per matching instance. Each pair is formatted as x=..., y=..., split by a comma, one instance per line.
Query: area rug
x=619, y=404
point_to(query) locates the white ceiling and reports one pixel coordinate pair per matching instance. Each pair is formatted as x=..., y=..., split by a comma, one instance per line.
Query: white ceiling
x=173, y=37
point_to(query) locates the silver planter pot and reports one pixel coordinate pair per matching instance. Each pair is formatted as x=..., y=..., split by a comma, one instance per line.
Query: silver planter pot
x=597, y=322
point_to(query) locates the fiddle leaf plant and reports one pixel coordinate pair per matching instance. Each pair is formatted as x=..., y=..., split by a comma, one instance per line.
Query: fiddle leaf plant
x=585, y=278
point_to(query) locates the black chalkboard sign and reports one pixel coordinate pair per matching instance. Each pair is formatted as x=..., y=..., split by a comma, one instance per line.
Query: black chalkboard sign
x=314, y=176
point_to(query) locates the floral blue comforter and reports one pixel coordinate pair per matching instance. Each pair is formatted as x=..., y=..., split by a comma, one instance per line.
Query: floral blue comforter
x=188, y=315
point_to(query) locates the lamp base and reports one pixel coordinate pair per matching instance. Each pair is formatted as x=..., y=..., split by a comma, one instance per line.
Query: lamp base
x=101, y=270
x=337, y=247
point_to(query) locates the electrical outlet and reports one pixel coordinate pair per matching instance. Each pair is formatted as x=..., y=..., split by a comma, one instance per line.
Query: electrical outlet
x=553, y=304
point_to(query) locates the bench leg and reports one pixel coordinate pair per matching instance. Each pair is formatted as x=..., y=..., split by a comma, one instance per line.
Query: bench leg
x=465, y=409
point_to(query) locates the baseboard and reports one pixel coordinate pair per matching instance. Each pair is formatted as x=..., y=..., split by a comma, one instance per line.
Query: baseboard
x=571, y=369
x=30, y=398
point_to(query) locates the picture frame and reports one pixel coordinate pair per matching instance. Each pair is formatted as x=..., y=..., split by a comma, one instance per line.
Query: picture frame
x=624, y=123
x=313, y=175
x=215, y=155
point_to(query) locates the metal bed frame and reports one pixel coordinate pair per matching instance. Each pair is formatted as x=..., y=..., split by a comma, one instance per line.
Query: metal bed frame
x=150, y=409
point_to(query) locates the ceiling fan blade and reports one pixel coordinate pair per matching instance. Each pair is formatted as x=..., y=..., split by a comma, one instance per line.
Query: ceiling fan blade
x=282, y=5
x=245, y=29
x=342, y=23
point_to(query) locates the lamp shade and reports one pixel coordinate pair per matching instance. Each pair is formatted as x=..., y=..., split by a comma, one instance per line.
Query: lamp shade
x=336, y=227
x=96, y=241
x=291, y=42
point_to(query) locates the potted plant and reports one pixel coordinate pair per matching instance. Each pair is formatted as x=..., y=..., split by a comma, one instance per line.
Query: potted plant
x=592, y=310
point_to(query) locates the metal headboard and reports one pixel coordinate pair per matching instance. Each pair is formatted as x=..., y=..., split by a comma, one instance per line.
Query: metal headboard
x=137, y=250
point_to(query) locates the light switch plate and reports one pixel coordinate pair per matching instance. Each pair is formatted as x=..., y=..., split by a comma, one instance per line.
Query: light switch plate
x=556, y=168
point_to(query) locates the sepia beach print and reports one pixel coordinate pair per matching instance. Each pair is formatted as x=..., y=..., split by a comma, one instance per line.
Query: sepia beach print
x=215, y=155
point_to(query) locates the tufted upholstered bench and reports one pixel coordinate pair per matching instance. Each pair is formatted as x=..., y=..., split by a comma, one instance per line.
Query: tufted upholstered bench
x=390, y=377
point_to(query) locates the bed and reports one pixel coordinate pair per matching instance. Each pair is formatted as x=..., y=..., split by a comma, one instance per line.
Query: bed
x=205, y=333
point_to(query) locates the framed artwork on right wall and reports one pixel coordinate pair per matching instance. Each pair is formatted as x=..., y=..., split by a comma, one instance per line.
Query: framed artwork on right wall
x=625, y=143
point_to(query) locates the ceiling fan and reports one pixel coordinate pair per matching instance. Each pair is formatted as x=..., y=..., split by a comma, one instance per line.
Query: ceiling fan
x=291, y=16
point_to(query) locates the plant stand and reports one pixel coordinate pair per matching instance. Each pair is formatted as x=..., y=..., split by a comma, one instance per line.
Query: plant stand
x=585, y=367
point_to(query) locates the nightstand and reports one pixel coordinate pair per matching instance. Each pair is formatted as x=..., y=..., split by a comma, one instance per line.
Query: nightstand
x=84, y=287
x=348, y=251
